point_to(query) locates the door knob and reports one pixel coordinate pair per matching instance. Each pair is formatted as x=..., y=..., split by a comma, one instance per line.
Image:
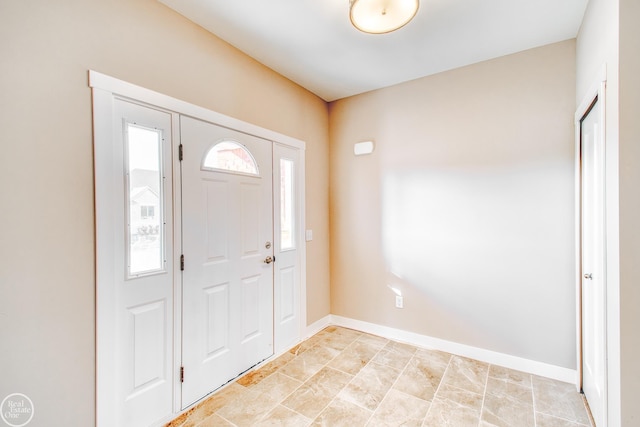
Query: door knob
x=269, y=260
x=588, y=276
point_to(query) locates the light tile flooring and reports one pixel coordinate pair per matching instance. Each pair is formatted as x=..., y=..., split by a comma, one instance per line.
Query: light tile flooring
x=341, y=377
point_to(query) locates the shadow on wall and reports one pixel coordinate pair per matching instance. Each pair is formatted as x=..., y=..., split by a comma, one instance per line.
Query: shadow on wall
x=485, y=246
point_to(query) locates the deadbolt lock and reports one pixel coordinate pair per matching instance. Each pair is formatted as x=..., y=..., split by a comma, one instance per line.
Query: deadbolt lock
x=267, y=245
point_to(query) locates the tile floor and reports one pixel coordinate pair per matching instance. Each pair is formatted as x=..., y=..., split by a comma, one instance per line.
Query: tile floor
x=341, y=377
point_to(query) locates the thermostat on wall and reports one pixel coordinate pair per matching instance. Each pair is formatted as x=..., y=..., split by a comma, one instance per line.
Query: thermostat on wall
x=361, y=148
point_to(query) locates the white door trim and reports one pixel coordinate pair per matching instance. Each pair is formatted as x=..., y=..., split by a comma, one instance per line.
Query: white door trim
x=597, y=91
x=166, y=102
x=105, y=295
x=104, y=90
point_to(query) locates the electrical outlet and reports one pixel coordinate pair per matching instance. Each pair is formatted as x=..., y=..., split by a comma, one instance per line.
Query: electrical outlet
x=399, y=301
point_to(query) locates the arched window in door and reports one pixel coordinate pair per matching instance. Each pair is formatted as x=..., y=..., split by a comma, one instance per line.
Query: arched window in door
x=230, y=156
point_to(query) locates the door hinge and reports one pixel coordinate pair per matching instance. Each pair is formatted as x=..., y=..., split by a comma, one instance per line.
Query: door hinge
x=181, y=262
x=180, y=152
x=181, y=374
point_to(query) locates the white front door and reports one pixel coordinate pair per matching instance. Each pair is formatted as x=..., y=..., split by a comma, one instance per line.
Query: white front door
x=227, y=282
x=593, y=266
x=135, y=267
x=223, y=220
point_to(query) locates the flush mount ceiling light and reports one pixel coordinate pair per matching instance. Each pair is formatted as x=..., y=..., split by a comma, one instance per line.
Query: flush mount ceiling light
x=381, y=16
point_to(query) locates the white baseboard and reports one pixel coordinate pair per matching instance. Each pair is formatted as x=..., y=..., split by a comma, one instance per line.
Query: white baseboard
x=512, y=362
x=317, y=326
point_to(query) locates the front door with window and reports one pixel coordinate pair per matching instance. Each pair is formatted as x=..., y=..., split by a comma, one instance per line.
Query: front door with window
x=234, y=304
x=227, y=282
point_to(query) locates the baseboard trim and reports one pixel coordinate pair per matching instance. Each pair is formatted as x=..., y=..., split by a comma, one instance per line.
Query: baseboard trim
x=508, y=361
x=317, y=326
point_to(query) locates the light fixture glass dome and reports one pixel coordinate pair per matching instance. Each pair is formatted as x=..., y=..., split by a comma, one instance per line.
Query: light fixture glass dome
x=382, y=16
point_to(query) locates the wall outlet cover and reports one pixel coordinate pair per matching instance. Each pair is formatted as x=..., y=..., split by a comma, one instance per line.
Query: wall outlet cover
x=399, y=301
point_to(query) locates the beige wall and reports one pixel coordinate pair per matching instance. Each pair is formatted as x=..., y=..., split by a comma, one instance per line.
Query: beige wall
x=46, y=173
x=609, y=37
x=630, y=209
x=597, y=50
x=466, y=205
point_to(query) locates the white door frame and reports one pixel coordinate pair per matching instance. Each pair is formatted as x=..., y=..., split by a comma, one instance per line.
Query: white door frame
x=104, y=91
x=597, y=91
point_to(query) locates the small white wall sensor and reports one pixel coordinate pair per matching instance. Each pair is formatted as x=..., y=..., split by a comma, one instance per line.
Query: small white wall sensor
x=362, y=148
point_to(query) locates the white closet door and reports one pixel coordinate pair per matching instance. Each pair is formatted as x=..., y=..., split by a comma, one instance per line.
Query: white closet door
x=593, y=265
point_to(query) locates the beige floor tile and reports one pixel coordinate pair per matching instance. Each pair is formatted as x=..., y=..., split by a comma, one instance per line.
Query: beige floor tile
x=336, y=343
x=394, y=360
x=543, y=420
x=215, y=421
x=369, y=387
x=346, y=332
x=454, y=407
x=515, y=377
x=248, y=409
x=401, y=348
x=283, y=417
x=309, y=342
x=254, y=377
x=466, y=374
x=308, y=363
x=373, y=340
x=399, y=409
x=321, y=354
x=339, y=339
x=394, y=385
x=506, y=389
x=182, y=421
x=354, y=357
x=506, y=411
x=433, y=356
x=421, y=378
x=314, y=395
x=463, y=398
x=300, y=348
x=342, y=414
x=209, y=406
x=395, y=355
x=277, y=386
x=449, y=414
x=558, y=399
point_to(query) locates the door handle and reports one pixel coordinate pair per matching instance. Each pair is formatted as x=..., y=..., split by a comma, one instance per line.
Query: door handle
x=588, y=276
x=269, y=260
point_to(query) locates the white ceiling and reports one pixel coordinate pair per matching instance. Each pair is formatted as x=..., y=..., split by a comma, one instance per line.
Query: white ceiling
x=313, y=43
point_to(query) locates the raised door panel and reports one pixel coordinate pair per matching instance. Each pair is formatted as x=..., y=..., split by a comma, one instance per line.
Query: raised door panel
x=216, y=195
x=217, y=320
